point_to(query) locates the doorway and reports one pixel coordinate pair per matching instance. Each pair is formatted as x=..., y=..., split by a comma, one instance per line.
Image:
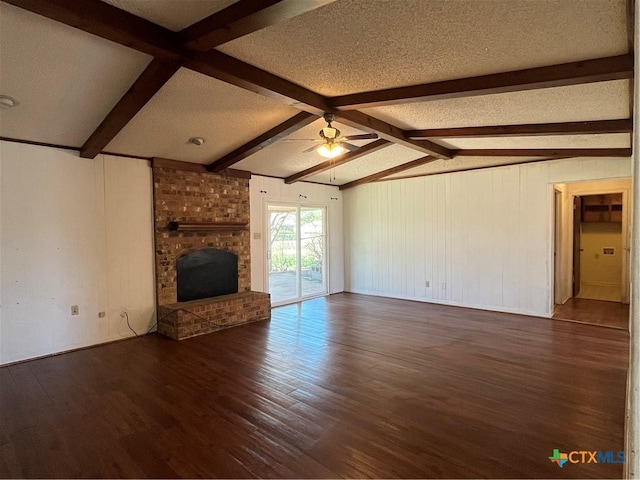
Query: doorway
x=296, y=252
x=591, y=254
x=598, y=247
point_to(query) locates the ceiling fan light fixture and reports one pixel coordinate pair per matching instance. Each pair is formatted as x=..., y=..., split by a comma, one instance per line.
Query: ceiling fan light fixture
x=330, y=132
x=331, y=150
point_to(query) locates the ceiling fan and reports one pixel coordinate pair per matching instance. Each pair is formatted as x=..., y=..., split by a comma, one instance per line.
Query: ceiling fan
x=332, y=143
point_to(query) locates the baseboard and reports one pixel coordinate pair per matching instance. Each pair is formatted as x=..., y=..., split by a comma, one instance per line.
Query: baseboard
x=76, y=349
x=489, y=308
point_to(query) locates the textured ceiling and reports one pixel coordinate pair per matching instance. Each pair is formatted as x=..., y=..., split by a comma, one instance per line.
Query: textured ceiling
x=356, y=45
x=194, y=105
x=460, y=163
x=593, y=101
x=172, y=14
x=65, y=80
x=361, y=167
x=613, y=140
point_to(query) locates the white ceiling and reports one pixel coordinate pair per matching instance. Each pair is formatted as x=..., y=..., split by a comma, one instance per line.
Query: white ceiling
x=459, y=163
x=172, y=14
x=609, y=140
x=357, y=45
x=67, y=80
x=388, y=157
x=193, y=105
x=576, y=103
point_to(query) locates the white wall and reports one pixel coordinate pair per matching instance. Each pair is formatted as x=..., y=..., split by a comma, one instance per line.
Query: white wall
x=596, y=268
x=484, y=235
x=317, y=195
x=74, y=232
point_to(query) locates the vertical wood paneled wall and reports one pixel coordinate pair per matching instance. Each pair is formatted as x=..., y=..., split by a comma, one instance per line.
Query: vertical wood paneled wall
x=480, y=238
x=74, y=232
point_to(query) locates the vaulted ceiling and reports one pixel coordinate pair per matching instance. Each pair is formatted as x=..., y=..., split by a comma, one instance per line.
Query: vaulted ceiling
x=446, y=84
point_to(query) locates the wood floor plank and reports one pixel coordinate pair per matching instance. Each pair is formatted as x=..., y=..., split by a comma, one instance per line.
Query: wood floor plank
x=342, y=386
x=596, y=312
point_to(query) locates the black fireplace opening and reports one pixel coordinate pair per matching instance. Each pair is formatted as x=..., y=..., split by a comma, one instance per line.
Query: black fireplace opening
x=207, y=273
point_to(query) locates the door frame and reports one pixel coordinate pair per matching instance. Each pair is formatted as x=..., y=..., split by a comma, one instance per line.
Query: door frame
x=576, y=244
x=266, y=245
x=582, y=188
x=626, y=196
x=557, y=244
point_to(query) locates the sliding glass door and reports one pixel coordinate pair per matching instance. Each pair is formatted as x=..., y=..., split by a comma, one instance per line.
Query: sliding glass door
x=296, y=252
x=283, y=254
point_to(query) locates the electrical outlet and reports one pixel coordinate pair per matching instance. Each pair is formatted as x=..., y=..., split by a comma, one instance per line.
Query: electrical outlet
x=257, y=236
x=74, y=309
x=101, y=314
x=427, y=284
x=444, y=286
x=123, y=313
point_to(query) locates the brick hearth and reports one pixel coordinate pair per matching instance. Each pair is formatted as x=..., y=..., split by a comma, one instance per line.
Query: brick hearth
x=197, y=317
x=187, y=193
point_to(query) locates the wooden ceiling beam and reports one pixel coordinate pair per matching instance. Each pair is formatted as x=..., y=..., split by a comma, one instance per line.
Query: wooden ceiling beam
x=122, y=27
x=243, y=18
x=235, y=72
x=390, y=171
x=231, y=70
x=119, y=26
x=545, y=152
x=587, y=71
x=287, y=127
x=392, y=133
x=106, y=21
x=336, y=162
x=480, y=167
x=534, y=129
x=111, y=23
x=148, y=83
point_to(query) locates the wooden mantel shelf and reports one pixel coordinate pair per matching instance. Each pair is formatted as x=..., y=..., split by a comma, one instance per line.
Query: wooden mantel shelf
x=207, y=226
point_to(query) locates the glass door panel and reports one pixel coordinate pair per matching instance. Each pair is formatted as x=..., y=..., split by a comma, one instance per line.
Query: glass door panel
x=283, y=254
x=312, y=251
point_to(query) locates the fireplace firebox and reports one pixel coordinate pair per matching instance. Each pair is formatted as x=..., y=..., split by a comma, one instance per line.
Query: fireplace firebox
x=206, y=273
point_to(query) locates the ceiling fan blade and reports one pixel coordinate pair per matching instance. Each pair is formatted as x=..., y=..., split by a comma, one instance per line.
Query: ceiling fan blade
x=363, y=136
x=349, y=146
x=310, y=149
x=301, y=140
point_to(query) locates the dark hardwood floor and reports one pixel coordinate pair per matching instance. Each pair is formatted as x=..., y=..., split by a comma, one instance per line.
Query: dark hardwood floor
x=596, y=312
x=344, y=386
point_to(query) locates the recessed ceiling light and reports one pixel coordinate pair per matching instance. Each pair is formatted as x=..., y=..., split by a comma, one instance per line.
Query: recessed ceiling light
x=7, y=102
x=196, y=140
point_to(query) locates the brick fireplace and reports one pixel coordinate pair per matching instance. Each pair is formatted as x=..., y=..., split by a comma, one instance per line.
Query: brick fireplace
x=196, y=210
